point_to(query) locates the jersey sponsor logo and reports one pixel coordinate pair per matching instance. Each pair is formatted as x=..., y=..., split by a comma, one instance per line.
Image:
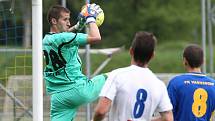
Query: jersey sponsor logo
x=198, y=82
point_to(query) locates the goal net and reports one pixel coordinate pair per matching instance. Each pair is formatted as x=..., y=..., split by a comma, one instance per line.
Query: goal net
x=15, y=62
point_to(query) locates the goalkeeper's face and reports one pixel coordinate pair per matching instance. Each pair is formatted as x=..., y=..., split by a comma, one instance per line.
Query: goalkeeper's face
x=63, y=23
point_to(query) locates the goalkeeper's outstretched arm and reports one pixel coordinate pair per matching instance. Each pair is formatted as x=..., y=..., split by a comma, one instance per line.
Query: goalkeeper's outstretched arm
x=93, y=34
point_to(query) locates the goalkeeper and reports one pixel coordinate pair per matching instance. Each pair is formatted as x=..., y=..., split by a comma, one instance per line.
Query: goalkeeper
x=68, y=86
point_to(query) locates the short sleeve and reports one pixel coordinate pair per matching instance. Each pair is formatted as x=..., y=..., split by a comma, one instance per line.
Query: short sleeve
x=172, y=94
x=165, y=104
x=110, y=87
x=81, y=39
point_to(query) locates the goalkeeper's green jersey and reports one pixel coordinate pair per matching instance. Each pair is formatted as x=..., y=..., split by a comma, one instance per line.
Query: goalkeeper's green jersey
x=63, y=64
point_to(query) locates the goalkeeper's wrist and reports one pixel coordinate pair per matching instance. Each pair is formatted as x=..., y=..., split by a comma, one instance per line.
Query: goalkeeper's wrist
x=90, y=20
x=76, y=26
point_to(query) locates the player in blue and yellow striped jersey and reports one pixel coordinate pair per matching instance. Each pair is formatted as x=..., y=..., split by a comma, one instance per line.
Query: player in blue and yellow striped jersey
x=68, y=86
x=193, y=93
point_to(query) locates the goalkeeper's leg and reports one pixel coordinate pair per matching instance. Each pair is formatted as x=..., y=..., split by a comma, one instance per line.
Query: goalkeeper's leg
x=93, y=87
x=65, y=104
x=63, y=107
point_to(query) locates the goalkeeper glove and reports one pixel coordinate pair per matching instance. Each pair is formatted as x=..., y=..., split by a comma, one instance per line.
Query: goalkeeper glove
x=90, y=12
x=80, y=24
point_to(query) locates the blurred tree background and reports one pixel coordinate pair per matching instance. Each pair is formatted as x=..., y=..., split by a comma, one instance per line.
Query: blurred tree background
x=169, y=20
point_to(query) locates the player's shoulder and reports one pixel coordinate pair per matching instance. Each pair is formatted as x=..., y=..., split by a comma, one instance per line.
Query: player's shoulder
x=176, y=80
x=121, y=70
x=62, y=34
x=210, y=79
x=131, y=68
x=179, y=77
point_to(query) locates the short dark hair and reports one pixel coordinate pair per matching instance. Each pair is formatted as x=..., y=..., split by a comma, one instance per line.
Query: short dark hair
x=55, y=12
x=194, y=55
x=143, y=46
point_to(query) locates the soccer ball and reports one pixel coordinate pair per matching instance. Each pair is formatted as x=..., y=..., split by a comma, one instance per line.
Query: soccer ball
x=99, y=19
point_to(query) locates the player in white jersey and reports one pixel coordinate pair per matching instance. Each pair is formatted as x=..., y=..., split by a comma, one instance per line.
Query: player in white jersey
x=134, y=93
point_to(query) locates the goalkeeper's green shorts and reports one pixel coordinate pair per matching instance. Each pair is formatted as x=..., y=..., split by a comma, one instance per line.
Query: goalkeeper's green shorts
x=65, y=104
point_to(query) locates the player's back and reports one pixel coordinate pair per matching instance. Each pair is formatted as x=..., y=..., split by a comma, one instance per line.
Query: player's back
x=193, y=97
x=139, y=94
